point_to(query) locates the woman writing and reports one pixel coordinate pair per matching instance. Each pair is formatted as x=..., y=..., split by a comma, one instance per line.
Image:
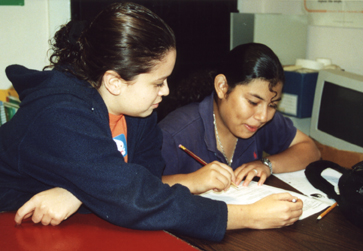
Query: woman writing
x=60, y=139
x=234, y=125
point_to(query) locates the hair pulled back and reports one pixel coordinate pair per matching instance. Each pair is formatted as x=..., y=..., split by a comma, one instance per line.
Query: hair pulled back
x=125, y=37
x=251, y=61
x=241, y=65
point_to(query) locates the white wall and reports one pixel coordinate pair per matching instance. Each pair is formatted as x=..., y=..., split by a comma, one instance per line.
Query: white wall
x=342, y=45
x=25, y=31
x=270, y=6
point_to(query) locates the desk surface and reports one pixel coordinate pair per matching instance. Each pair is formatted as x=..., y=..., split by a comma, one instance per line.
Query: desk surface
x=88, y=232
x=333, y=232
x=82, y=232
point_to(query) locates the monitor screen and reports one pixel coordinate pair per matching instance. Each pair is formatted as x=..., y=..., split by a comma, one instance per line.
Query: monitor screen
x=337, y=116
x=341, y=113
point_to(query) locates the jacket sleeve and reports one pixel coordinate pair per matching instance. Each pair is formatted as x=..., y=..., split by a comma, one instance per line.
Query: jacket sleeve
x=69, y=146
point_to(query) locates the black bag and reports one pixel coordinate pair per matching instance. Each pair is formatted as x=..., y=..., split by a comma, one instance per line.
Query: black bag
x=350, y=199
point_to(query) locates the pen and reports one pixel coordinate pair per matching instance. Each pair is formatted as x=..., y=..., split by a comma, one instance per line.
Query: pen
x=327, y=211
x=197, y=158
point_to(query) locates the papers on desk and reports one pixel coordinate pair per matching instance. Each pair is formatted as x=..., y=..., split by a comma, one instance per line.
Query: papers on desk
x=299, y=181
x=252, y=193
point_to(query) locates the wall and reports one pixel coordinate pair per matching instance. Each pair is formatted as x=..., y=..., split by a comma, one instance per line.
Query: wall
x=342, y=45
x=25, y=31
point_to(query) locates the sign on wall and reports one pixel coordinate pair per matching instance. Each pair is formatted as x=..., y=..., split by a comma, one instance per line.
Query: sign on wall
x=338, y=13
x=12, y=2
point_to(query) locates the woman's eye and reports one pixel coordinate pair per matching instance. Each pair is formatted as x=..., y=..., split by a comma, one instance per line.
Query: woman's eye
x=161, y=84
x=273, y=105
x=252, y=103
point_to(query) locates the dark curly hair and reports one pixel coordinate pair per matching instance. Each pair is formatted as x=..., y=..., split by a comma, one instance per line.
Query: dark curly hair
x=125, y=37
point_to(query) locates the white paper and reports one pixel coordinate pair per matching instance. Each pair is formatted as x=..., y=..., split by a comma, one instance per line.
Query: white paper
x=288, y=104
x=299, y=181
x=338, y=13
x=252, y=193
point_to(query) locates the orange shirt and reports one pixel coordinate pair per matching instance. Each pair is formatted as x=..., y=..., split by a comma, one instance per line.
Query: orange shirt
x=119, y=133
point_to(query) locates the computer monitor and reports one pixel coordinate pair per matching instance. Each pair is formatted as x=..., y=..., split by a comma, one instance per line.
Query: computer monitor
x=337, y=116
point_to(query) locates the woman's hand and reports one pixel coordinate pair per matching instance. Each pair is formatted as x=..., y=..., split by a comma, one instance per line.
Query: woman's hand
x=215, y=175
x=49, y=207
x=273, y=211
x=250, y=170
x=300, y=153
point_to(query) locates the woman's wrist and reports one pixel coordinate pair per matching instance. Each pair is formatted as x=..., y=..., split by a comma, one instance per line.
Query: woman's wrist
x=238, y=217
x=268, y=164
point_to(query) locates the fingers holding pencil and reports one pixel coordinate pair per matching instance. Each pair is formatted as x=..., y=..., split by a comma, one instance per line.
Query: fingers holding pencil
x=193, y=155
x=213, y=174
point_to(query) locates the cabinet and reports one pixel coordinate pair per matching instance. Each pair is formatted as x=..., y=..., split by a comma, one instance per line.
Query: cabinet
x=286, y=35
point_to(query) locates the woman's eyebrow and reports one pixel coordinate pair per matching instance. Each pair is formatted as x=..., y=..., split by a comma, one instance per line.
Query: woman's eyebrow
x=276, y=100
x=162, y=78
x=256, y=96
x=259, y=97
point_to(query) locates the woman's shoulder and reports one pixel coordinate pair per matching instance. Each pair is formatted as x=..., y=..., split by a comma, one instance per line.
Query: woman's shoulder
x=277, y=134
x=280, y=120
x=180, y=118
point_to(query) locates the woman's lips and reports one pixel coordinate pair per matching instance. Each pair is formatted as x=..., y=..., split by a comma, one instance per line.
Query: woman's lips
x=156, y=105
x=251, y=128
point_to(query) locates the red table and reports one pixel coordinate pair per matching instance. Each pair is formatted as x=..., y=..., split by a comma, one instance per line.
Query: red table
x=82, y=232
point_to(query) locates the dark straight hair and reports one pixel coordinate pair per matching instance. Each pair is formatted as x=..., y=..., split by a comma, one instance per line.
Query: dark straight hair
x=125, y=37
x=251, y=61
x=241, y=65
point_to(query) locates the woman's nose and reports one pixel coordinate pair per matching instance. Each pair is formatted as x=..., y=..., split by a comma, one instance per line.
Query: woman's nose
x=164, y=90
x=261, y=114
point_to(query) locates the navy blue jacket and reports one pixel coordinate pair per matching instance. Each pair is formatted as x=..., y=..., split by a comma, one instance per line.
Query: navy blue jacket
x=60, y=137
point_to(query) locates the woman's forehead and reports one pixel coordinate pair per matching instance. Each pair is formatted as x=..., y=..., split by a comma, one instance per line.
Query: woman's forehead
x=260, y=88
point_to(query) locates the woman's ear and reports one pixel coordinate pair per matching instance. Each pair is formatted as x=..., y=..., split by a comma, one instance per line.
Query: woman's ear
x=221, y=85
x=112, y=82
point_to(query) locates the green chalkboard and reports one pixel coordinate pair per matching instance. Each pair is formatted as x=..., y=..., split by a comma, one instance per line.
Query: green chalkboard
x=12, y=2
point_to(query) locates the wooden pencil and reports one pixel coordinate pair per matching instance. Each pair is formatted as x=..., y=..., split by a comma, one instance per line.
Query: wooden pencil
x=193, y=155
x=197, y=158
x=327, y=211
